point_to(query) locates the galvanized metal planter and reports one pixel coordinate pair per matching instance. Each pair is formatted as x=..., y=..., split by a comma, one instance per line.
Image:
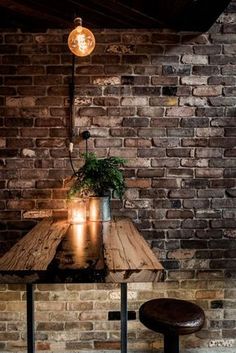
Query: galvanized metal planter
x=99, y=209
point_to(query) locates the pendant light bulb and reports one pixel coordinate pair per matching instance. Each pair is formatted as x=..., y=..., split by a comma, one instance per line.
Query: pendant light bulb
x=81, y=40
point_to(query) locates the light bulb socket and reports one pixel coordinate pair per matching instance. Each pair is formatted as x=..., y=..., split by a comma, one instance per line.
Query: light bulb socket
x=78, y=21
x=85, y=135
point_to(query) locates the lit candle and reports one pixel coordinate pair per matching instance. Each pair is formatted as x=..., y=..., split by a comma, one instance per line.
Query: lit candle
x=77, y=211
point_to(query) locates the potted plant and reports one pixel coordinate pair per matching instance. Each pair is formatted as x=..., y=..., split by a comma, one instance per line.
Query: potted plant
x=95, y=180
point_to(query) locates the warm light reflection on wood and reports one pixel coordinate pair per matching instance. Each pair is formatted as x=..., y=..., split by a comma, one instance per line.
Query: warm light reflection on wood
x=78, y=237
x=95, y=234
x=85, y=243
x=94, y=229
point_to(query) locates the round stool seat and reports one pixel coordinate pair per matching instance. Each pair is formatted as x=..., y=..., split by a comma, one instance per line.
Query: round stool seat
x=171, y=316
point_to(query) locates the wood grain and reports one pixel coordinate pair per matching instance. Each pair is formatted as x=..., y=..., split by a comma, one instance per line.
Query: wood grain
x=81, y=248
x=55, y=252
x=127, y=255
x=36, y=249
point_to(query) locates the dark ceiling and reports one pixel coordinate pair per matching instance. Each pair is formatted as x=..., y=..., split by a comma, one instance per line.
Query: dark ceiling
x=193, y=15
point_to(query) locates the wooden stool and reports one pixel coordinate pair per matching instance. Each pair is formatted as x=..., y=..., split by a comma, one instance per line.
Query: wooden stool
x=172, y=318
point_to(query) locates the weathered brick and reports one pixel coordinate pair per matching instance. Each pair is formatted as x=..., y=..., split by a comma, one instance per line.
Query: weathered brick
x=208, y=153
x=161, y=122
x=172, y=116
x=117, y=69
x=138, y=183
x=151, y=152
x=221, y=80
x=146, y=91
x=18, y=80
x=179, y=214
x=180, y=70
x=134, y=101
x=206, y=70
x=150, y=111
x=195, y=59
x=222, y=101
x=198, y=203
x=193, y=80
x=166, y=101
x=193, y=101
x=166, y=183
x=135, y=122
x=117, y=91
x=195, y=183
x=209, y=173
x=164, y=80
x=222, y=142
x=194, y=122
x=180, y=111
x=183, y=172
x=207, y=91
x=150, y=173
x=207, y=49
x=194, y=142
x=178, y=152
x=28, y=90
x=147, y=49
x=206, y=132
x=184, y=91
x=108, y=143
x=137, y=142
x=210, y=112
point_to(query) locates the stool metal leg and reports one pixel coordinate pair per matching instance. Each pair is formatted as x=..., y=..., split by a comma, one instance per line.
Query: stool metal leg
x=171, y=344
x=30, y=318
x=124, y=317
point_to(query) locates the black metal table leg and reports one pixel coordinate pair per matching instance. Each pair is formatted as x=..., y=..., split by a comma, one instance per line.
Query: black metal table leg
x=171, y=343
x=30, y=318
x=124, y=317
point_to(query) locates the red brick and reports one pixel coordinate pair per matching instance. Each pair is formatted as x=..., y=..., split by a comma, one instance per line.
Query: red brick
x=138, y=183
x=19, y=143
x=53, y=142
x=52, y=122
x=16, y=59
x=18, y=80
x=20, y=204
x=136, y=142
x=176, y=214
x=51, y=204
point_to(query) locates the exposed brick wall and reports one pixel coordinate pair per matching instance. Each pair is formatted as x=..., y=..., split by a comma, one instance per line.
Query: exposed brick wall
x=166, y=102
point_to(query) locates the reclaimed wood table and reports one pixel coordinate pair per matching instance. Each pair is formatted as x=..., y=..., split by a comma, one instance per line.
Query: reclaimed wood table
x=93, y=252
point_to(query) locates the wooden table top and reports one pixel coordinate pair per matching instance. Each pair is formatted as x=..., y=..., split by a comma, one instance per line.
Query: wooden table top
x=56, y=252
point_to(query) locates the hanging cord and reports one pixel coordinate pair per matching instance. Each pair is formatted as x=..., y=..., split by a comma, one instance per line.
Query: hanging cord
x=72, y=100
x=71, y=112
x=85, y=134
x=71, y=163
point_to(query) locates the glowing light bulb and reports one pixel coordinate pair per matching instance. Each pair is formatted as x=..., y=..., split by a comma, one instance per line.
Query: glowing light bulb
x=81, y=40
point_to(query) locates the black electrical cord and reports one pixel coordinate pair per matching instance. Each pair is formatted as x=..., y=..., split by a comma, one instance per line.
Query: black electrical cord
x=85, y=134
x=71, y=163
x=72, y=99
x=71, y=112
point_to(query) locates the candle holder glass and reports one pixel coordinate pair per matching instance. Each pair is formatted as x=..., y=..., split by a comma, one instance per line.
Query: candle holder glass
x=77, y=210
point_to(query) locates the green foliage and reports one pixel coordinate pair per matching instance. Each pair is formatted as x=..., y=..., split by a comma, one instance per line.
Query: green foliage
x=97, y=176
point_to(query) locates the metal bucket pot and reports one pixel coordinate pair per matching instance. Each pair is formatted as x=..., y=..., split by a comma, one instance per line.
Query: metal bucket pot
x=99, y=209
